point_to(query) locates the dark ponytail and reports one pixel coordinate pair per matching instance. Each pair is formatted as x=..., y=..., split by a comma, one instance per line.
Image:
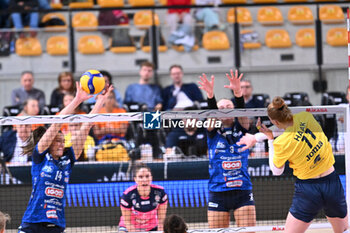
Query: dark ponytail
x=33, y=140
x=174, y=224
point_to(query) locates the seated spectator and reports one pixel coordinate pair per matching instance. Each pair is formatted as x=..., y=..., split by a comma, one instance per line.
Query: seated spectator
x=67, y=99
x=11, y=143
x=180, y=95
x=3, y=219
x=174, y=224
x=24, y=19
x=247, y=92
x=110, y=130
x=108, y=82
x=144, y=92
x=31, y=108
x=190, y=140
x=209, y=16
x=20, y=95
x=66, y=85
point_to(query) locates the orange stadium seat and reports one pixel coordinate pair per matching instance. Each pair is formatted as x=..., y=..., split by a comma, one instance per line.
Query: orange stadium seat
x=91, y=45
x=181, y=48
x=215, y=40
x=57, y=45
x=331, y=14
x=233, y=1
x=337, y=37
x=300, y=15
x=251, y=44
x=85, y=21
x=277, y=38
x=50, y=16
x=244, y=16
x=110, y=3
x=305, y=37
x=122, y=49
x=86, y=4
x=295, y=0
x=270, y=16
x=163, y=2
x=56, y=5
x=28, y=47
x=143, y=19
x=141, y=3
x=264, y=1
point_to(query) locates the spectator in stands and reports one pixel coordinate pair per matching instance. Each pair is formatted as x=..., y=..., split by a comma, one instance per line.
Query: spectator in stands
x=4, y=17
x=247, y=92
x=110, y=130
x=108, y=82
x=174, y=224
x=67, y=99
x=137, y=213
x=31, y=108
x=12, y=141
x=20, y=19
x=3, y=219
x=66, y=85
x=44, y=4
x=209, y=16
x=20, y=95
x=180, y=95
x=144, y=92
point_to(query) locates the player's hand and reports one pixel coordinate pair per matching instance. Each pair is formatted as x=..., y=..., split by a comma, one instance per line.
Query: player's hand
x=235, y=82
x=81, y=94
x=263, y=129
x=206, y=85
x=248, y=140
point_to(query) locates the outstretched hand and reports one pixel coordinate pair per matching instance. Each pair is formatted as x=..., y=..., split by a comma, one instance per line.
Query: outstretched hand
x=206, y=85
x=263, y=129
x=235, y=82
x=81, y=95
x=248, y=140
x=101, y=98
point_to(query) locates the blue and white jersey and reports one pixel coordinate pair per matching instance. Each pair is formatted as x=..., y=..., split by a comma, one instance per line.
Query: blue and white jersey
x=49, y=178
x=228, y=168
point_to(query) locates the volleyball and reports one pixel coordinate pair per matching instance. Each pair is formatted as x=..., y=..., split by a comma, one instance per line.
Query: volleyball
x=92, y=82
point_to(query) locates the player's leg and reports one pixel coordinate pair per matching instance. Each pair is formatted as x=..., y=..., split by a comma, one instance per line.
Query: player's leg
x=294, y=225
x=245, y=216
x=339, y=225
x=218, y=219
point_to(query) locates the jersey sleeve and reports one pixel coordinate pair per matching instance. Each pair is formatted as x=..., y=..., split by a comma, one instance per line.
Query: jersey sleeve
x=164, y=197
x=125, y=201
x=71, y=155
x=280, y=154
x=38, y=157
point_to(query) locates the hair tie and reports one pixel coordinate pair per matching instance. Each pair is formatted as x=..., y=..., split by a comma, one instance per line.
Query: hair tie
x=281, y=108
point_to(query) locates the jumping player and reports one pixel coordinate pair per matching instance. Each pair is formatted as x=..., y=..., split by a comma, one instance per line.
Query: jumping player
x=51, y=168
x=143, y=205
x=230, y=187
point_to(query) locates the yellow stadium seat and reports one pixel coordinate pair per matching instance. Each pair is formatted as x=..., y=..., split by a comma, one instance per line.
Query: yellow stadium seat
x=143, y=19
x=50, y=16
x=147, y=48
x=141, y=3
x=300, y=15
x=122, y=49
x=215, y=40
x=270, y=16
x=305, y=37
x=337, y=37
x=264, y=1
x=250, y=45
x=110, y=3
x=244, y=16
x=57, y=45
x=56, y=5
x=163, y=2
x=91, y=45
x=86, y=4
x=277, y=38
x=181, y=48
x=28, y=47
x=85, y=21
x=295, y=1
x=331, y=14
x=233, y=1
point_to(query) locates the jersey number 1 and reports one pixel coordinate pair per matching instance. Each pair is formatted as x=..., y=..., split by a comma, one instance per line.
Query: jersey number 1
x=307, y=140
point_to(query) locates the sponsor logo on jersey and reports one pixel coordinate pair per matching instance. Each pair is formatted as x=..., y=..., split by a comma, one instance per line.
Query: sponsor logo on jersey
x=47, y=169
x=54, y=192
x=43, y=174
x=124, y=203
x=165, y=198
x=234, y=183
x=212, y=204
x=157, y=198
x=51, y=214
x=145, y=202
x=231, y=165
x=220, y=145
x=66, y=179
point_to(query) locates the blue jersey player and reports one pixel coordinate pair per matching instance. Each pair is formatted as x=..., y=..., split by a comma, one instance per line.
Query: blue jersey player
x=51, y=169
x=230, y=187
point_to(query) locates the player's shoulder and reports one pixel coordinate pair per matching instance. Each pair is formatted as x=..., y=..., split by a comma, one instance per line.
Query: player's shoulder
x=130, y=190
x=157, y=187
x=302, y=115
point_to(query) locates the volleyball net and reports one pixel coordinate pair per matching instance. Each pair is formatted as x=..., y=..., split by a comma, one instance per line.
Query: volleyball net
x=174, y=145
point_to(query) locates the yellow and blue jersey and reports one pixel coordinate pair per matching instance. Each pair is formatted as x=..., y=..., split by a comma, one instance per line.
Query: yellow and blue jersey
x=305, y=146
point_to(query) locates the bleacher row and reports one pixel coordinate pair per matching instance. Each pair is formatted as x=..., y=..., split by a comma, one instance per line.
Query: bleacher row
x=213, y=40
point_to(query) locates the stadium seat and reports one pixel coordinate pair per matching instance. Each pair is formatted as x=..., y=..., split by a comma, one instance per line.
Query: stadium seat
x=53, y=16
x=265, y=98
x=337, y=37
x=50, y=110
x=333, y=98
x=86, y=4
x=141, y=3
x=28, y=47
x=56, y=5
x=91, y=45
x=181, y=48
x=270, y=16
x=277, y=38
x=147, y=48
x=305, y=37
x=264, y=1
x=57, y=45
x=244, y=16
x=295, y=1
x=331, y=14
x=215, y=40
x=110, y=3
x=13, y=110
x=233, y=1
x=122, y=49
x=250, y=39
x=296, y=99
x=143, y=19
x=300, y=15
x=85, y=21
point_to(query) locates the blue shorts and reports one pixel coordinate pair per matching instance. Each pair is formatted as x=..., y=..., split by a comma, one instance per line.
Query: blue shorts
x=40, y=228
x=311, y=195
x=230, y=200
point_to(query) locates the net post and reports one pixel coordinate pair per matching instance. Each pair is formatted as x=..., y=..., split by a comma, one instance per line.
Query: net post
x=347, y=155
